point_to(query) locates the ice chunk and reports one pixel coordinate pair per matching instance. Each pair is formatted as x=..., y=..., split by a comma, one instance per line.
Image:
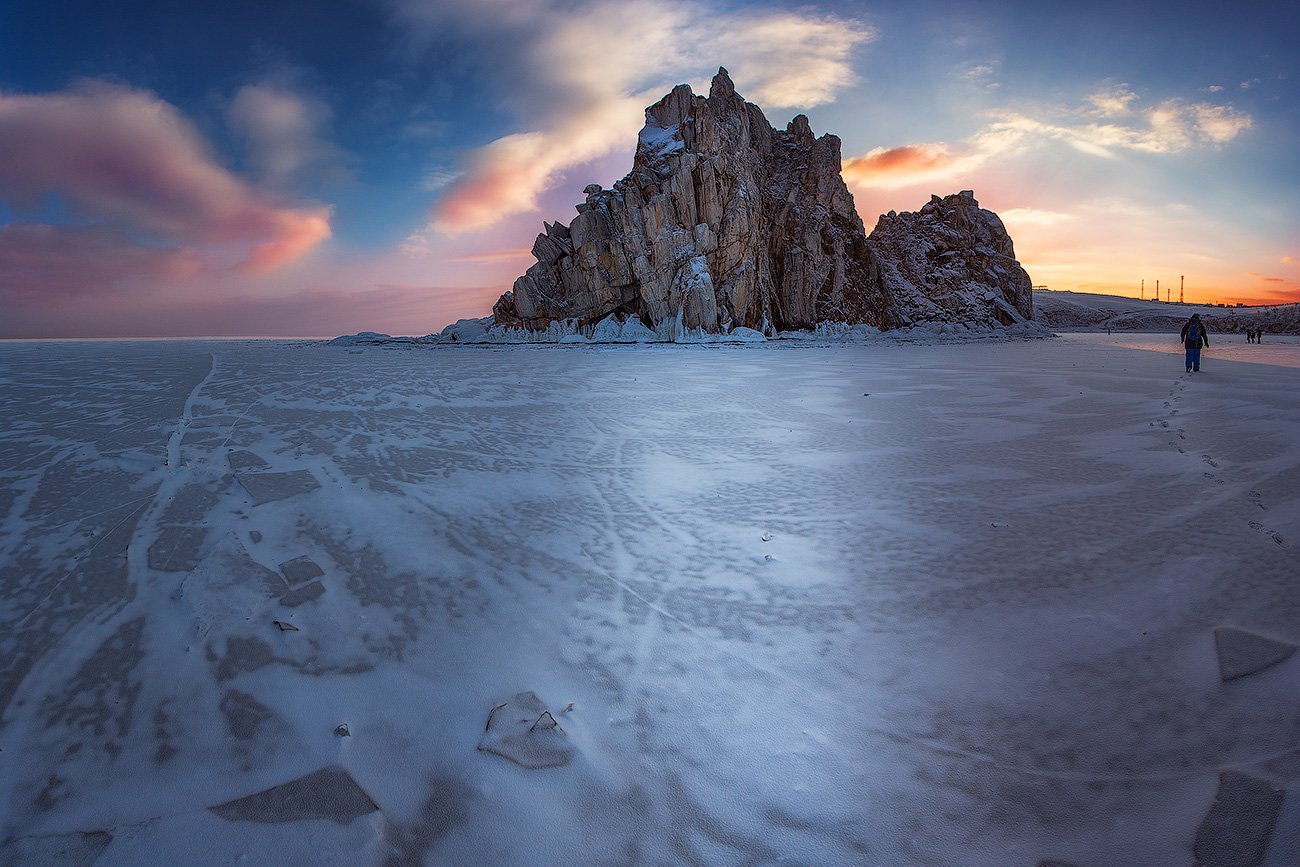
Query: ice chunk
x=300, y=569
x=1236, y=830
x=329, y=793
x=303, y=594
x=524, y=731
x=268, y=487
x=1242, y=653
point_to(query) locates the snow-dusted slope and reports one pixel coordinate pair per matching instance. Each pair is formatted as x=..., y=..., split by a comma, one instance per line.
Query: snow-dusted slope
x=853, y=604
x=1083, y=310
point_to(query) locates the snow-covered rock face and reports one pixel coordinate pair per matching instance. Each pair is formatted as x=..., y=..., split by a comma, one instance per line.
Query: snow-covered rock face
x=951, y=261
x=726, y=222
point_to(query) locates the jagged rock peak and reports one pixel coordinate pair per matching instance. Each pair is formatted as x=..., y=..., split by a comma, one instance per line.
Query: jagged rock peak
x=724, y=222
x=721, y=85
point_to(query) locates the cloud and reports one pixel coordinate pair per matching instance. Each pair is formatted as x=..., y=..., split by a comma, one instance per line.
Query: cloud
x=521, y=254
x=437, y=179
x=582, y=72
x=39, y=261
x=132, y=164
x=506, y=176
x=1014, y=217
x=1169, y=127
x=282, y=130
x=1113, y=102
x=907, y=165
x=294, y=235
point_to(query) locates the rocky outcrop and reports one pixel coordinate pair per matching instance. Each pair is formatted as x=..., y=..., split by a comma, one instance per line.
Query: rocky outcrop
x=951, y=260
x=726, y=222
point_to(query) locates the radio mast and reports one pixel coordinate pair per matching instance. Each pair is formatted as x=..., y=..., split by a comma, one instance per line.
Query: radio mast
x=1180, y=289
x=1142, y=290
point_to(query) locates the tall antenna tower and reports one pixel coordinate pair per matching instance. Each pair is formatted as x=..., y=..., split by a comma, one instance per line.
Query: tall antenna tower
x=1180, y=289
x=1157, y=290
x=1142, y=291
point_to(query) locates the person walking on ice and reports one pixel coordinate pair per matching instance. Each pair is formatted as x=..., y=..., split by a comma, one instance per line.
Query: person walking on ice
x=1194, y=337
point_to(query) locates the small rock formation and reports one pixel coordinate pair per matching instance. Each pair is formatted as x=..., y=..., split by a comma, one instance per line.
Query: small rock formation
x=726, y=222
x=1242, y=653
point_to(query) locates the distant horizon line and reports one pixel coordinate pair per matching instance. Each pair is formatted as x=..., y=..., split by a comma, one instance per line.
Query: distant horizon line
x=1230, y=305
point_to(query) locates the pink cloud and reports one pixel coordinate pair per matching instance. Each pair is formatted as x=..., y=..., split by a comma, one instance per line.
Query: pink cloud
x=40, y=261
x=125, y=158
x=295, y=234
x=907, y=161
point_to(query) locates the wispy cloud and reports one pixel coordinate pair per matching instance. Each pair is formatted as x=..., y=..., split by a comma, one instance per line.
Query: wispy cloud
x=584, y=74
x=1113, y=102
x=1109, y=123
x=285, y=134
x=57, y=263
x=139, y=172
x=520, y=254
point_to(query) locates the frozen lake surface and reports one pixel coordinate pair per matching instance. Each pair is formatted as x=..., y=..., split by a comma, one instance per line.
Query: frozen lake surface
x=878, y=604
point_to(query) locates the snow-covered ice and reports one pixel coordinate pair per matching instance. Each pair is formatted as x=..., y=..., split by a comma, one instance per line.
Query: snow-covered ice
x=870, y=602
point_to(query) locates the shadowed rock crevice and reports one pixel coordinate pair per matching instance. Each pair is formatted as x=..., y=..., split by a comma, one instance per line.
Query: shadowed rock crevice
x=725, y=222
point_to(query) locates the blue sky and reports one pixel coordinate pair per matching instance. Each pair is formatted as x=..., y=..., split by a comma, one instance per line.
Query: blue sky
x=327, y=167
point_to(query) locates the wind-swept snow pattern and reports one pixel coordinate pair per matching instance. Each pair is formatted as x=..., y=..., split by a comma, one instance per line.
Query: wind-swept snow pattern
x=881, y=601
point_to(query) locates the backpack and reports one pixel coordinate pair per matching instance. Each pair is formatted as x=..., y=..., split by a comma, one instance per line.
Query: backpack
x=1193, y=340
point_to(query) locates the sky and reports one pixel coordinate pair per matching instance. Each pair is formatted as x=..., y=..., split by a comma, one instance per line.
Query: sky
x=326, y=167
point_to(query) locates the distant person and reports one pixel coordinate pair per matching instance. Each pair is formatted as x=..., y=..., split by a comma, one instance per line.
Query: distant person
x=1194, y=337
x=1250, y=336
x=1259, y=334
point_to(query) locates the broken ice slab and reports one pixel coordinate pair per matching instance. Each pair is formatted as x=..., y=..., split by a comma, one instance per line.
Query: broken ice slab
x=1242, y=653
x=303, y=594
x=524, y=731
x=329, y=793
x=268, y=487
x=1237, y=829
x=300, y=569
x=246, y=460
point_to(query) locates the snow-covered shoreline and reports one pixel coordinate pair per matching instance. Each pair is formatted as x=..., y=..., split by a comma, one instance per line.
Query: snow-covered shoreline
x=632, y=331
x=1086, y=311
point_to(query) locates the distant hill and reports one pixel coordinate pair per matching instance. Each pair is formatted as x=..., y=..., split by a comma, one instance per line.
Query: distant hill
x=1085, y=310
